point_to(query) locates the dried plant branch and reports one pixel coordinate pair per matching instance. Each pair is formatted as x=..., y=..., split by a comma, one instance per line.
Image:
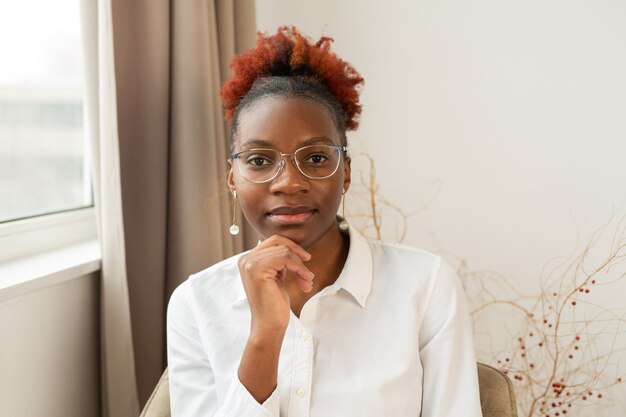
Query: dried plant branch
x=561, y=352
x=555, y=360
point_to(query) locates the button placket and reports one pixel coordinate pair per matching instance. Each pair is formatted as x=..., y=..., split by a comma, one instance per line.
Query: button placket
x=299, y=405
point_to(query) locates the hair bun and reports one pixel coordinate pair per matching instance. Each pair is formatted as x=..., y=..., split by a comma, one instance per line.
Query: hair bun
x=289, y=53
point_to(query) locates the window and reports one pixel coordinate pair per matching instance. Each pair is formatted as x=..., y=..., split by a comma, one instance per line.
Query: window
x=43, y=146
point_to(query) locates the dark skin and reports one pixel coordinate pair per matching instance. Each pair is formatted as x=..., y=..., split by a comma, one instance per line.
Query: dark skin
x=278, y=273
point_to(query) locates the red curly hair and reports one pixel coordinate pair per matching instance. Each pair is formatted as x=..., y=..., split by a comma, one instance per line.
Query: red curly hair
x=289, y=53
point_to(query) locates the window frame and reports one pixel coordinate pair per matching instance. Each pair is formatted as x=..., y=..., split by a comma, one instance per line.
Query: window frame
x=36, y=235
x=48, y=232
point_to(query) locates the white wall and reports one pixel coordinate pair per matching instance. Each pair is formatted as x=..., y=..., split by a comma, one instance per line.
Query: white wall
x=49, y=351
x=518, y=108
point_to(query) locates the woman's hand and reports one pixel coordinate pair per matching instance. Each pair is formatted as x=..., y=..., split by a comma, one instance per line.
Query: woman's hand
x=263, y=272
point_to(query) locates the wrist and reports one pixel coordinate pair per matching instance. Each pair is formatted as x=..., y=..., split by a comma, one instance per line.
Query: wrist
x=266, y=337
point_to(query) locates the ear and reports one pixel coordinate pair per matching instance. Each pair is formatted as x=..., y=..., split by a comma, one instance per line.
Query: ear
x=231, y=178
x=347, y=170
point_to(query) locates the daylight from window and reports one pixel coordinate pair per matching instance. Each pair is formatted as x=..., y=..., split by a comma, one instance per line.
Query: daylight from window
x=43, y=160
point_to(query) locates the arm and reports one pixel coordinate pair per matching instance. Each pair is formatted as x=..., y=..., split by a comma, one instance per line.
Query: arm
x=192, y=382
x=450, y=386
x=258, y=370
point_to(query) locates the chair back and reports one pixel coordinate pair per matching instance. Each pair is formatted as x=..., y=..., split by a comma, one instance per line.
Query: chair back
x=497, y=397
x=158, y=404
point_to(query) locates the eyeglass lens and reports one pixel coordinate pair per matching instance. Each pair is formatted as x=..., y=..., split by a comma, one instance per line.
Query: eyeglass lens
x=317, y=161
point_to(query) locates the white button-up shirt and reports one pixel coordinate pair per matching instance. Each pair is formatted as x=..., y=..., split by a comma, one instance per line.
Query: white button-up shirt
x=391, y=337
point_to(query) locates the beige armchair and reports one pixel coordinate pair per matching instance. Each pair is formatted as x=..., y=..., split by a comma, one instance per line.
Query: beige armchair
x=497, y=397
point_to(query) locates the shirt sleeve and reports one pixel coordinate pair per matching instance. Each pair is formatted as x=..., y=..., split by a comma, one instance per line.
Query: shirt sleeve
x=191, y=378
x=450, y=385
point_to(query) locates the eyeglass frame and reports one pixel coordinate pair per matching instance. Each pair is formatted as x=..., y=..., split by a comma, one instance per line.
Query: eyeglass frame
x=281, y=164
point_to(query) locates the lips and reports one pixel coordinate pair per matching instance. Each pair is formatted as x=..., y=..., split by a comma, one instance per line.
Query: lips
x=291, y=215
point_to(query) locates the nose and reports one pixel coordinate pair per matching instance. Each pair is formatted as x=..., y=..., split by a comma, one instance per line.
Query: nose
x=289, y=179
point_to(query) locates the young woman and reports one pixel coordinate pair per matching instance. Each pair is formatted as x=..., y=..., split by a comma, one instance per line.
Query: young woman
x=316, y=320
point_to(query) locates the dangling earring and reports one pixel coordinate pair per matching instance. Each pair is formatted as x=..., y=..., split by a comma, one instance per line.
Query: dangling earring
x=343, y=224
x=234, y=229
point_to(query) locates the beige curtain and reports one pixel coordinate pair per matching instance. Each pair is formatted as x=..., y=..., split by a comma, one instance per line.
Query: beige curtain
x=118, y=378
x=159, y=151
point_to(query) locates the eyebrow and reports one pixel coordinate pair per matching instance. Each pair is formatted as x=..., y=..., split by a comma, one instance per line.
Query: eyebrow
x=261, y=142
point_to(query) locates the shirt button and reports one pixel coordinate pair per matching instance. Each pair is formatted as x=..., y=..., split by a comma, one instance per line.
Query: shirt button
x=304, y=337
x=301, y=392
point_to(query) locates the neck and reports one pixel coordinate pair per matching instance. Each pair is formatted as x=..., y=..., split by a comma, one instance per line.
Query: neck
x=328, y=257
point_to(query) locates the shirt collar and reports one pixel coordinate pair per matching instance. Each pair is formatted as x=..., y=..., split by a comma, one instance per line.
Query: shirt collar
x=355, y=277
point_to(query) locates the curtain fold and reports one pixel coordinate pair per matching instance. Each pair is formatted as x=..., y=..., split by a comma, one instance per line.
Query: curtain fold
x=118, y=378
x=170, y=59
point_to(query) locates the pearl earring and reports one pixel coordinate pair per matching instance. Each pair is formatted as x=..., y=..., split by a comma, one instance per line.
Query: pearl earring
x=234, y=229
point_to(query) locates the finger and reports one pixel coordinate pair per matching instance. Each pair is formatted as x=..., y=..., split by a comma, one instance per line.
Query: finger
x=277, y=258
x=306, y=286
x=300, y=270
x=275, y=253
x=277, y=240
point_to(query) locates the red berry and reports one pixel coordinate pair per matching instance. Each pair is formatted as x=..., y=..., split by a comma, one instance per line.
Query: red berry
x=574, y=303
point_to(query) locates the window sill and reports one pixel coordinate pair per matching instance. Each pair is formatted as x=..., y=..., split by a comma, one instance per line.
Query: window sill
x=31, y=273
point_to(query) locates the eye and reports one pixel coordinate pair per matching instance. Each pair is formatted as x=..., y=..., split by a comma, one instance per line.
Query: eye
x=258, y=160
x=316, y=158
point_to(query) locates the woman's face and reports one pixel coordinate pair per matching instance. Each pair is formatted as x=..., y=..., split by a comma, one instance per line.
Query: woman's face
x=286, y=124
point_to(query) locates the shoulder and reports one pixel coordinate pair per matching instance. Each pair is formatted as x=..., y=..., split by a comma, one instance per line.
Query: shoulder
x=427, y=272
x=217, y=276
x=401, y=256
x=214, y=288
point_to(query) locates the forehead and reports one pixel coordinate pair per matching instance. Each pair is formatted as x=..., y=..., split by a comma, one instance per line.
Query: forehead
x=285, y=123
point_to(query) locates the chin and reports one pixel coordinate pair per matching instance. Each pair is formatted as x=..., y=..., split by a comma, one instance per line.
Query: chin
x=301, y=236
x=305, y=236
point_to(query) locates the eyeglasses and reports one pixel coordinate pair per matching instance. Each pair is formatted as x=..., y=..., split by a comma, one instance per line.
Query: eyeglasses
x=315, y=162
